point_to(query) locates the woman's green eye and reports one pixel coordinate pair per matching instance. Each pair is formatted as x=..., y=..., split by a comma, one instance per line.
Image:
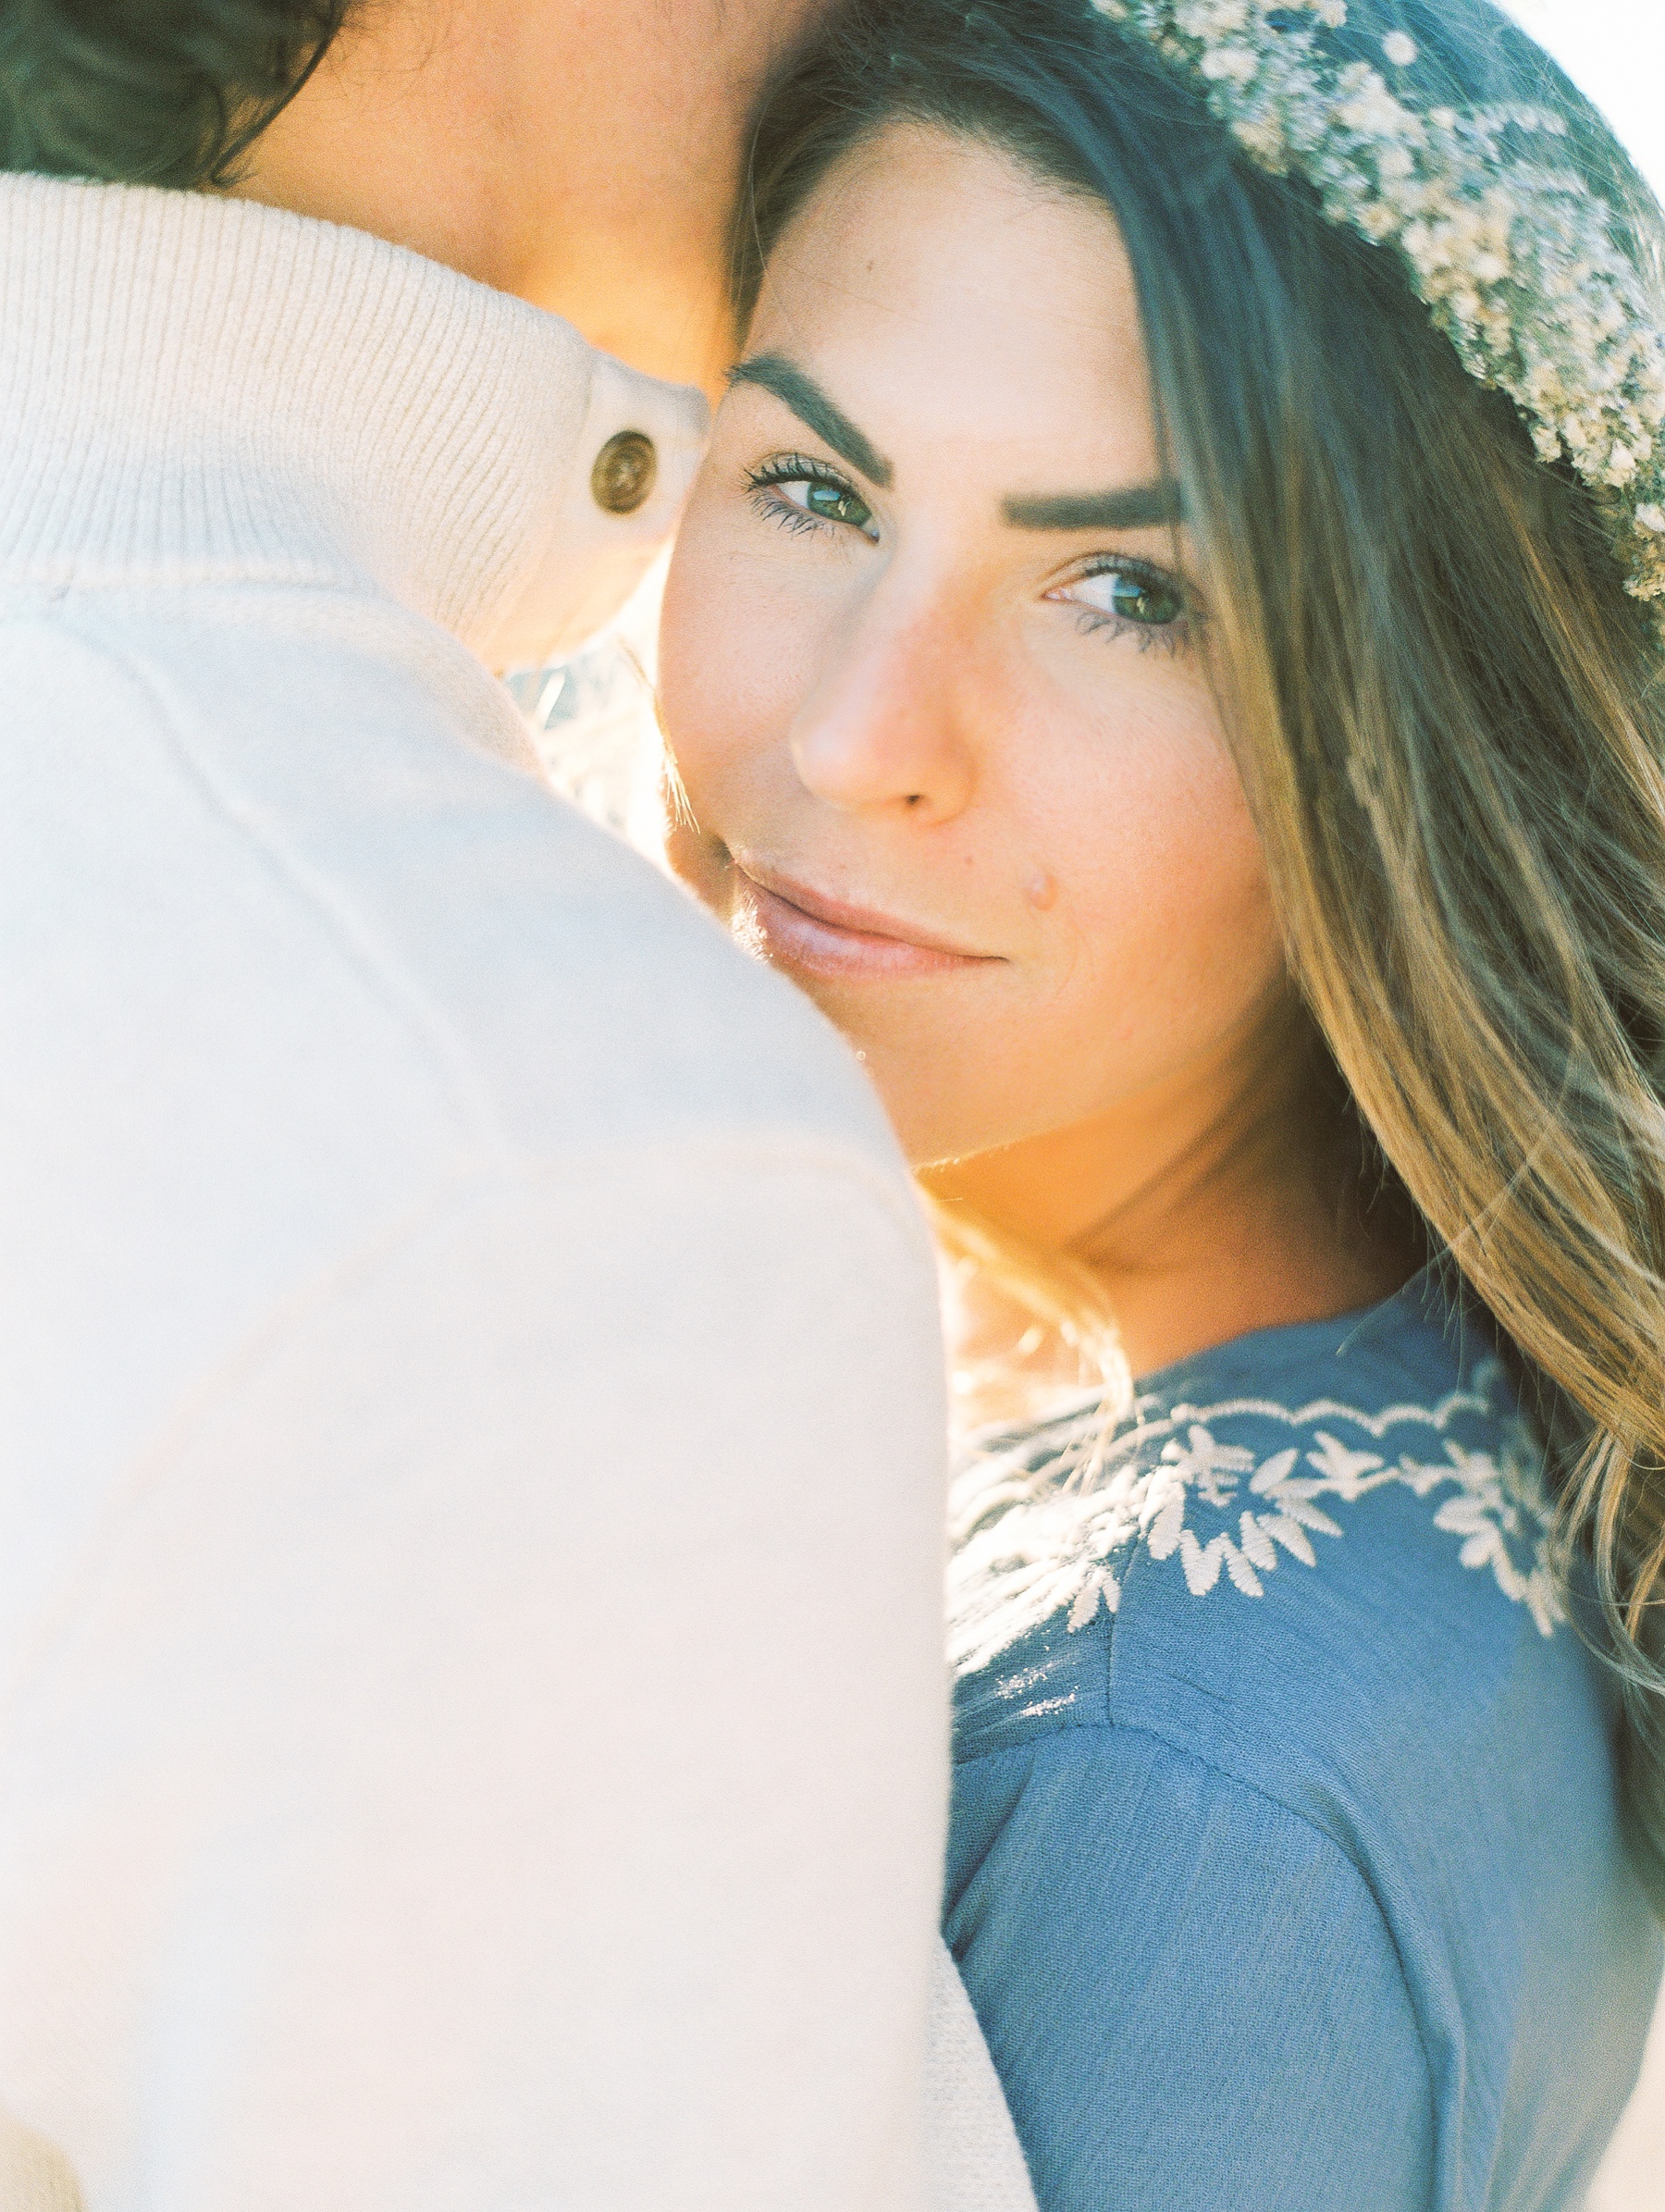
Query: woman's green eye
x=1132, y=600
x=794, y=491
x=1148, y=601
x=832, y=504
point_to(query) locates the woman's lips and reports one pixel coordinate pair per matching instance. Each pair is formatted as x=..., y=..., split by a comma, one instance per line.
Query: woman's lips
x=825, y=936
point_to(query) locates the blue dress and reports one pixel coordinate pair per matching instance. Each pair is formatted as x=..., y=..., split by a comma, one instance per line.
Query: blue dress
x=1285, y=1873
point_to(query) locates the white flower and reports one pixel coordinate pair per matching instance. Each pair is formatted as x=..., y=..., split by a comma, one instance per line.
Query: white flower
x=1202, y=1565
x=1469, y=1518
x=1233, y=64
x=1650, y=516
x=1261, y=136
x=1040, y=1537
x=1214, y=1469
x=1343, y=1471
x=1373, y=110
x=1212, y=19
x=1574, y=340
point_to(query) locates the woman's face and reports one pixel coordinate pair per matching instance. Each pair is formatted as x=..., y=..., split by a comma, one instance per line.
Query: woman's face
x=929, y=667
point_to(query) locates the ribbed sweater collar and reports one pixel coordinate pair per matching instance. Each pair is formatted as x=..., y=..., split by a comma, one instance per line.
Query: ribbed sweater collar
x=198, y=390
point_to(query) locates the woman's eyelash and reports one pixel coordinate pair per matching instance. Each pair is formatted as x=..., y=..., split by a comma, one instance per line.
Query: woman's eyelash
x=1174, y=636
x=791, y=468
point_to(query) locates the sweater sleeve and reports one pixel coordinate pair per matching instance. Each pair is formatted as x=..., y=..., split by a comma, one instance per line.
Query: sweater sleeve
x=1190, y=1993
x=496, y=1754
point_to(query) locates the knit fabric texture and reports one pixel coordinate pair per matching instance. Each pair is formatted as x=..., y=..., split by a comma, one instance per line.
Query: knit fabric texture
x=471, y=1718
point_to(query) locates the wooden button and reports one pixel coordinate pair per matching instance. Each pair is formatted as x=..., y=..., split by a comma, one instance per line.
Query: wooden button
x=624, y=473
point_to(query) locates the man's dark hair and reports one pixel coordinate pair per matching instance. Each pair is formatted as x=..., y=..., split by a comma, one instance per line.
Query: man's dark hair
x=151, y=91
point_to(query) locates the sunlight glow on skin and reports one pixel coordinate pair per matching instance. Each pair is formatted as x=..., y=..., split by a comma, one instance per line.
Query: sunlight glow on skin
x=955, y=765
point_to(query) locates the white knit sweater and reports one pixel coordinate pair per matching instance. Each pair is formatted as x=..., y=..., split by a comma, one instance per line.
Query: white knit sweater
x=471, y=1699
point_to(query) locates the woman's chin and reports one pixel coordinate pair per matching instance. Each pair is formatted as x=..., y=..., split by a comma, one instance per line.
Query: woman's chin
x=930, y=1116
x=941, y=1103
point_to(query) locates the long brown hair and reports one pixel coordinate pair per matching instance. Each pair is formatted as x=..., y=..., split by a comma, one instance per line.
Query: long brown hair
x=1448, y=712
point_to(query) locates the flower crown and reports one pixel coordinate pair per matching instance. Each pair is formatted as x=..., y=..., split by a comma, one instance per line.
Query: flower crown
x=1514, y=257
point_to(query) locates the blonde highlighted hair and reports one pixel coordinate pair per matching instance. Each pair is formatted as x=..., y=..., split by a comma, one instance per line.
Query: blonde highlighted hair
x=1449, y=717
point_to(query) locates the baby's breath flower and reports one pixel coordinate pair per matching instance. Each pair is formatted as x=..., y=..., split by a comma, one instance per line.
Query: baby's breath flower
x=1233, y=64
x=1259, y=135
x=1504, y=240
x=1212, y=19
x=1377, y=221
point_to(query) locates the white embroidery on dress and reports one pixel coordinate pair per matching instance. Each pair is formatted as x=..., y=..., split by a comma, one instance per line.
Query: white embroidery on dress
x=1040, y=1522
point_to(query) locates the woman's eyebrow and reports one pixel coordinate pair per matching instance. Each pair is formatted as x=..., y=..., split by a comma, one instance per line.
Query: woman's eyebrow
x=1139, y=507
x=815, y=411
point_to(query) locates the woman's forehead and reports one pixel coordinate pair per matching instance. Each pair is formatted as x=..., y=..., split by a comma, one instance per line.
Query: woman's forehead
x=920, y=215
x=937, y=291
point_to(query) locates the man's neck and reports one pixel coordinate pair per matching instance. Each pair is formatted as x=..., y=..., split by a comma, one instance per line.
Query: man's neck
x=585, y=159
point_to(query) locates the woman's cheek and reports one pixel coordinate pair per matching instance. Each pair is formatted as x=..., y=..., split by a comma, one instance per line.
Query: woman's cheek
x=699, y=642
x=1163, y=933
x=1207, y=945
x=725, y=656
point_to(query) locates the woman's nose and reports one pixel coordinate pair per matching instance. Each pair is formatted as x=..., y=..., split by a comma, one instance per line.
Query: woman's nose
x=883, y=727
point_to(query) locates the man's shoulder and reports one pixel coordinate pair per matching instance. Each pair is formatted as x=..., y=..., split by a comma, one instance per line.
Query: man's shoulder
x=337, y=804
x=292, y=959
